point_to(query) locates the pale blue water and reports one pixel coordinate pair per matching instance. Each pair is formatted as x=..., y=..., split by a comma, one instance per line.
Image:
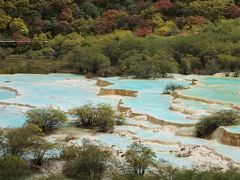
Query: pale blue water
x=150, y=135
x=177, y=161
x=227, y=151
x=140, y=85
x=196, y=105
x=67, y=91
x=124, y=143
x=234, y=129
x=11, y=116
x=217, y=88
x=5, y=94
x=156, y=105
x=110, y=139
x=58, y=90
x=146, y=124
x=63, y=90
x=150, y=99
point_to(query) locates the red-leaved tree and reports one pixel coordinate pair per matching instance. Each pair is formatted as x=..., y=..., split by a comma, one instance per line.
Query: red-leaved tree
x=108, y=22
x=233, y=11
x=163, y=4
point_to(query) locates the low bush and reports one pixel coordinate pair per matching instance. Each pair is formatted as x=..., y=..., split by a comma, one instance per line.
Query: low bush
x=17, y=141
x=26, y=142
x=172, y=87
x=164, y=170
x=90, y=162
x=139, y=158
x=222, y=118
x=70, y=152
x=102, y=117
x=85, y=115
x=105, y=118
x=39, y=149
x=120, y=119
x=236, y=74
x=46, y=118
x=13, y=168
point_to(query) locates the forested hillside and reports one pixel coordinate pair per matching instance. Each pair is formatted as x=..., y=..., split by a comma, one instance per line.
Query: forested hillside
x=145, y=38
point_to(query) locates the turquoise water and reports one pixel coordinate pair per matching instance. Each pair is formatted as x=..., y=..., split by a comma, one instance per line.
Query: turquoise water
x=124, y=143
x=234, y=129
x=196, y=105
x=63, y=90
x=110, y=139
x=143, y=85
x=166, y=137
x=5, y=94
x=227, y=151
x=217, y=88
x=156, y=105
x=11, y=116
x=162, y=151
x=146, y=124
x=55, y=90
x=150, y=99
x=67, y=91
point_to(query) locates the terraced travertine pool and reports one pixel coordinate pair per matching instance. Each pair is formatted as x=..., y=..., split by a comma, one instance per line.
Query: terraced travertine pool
x=217, y=88
x=5, y=94
x=66, y=91
x=11, y=116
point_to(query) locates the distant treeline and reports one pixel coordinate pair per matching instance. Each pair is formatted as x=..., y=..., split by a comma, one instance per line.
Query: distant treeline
x=145, y=38
x=213, y=49
x=87, y=17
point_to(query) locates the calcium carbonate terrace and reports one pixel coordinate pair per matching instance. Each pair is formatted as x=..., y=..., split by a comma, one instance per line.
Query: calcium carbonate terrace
x=217, y=88
x=6, y=94
x=150, y=99
x=66, y=91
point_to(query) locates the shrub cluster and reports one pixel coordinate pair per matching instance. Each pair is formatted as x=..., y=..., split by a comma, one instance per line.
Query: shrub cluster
x=172, y=87
x=47, y=119
x=138, y=163
x=102, y=116
x=24, y=149
x=87, y=162
x=90, y=161
x=21, y=150
x=210, y=123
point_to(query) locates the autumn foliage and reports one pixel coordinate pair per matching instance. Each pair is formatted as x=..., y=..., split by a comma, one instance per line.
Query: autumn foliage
x=108, y=22
x=163, y=4
x=233, y=11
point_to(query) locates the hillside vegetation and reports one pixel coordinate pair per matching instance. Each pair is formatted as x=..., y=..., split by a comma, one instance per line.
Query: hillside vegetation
x=145, y=38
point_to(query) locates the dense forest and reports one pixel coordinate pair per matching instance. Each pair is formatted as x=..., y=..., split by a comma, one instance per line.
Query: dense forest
x=144, y=38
